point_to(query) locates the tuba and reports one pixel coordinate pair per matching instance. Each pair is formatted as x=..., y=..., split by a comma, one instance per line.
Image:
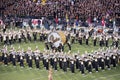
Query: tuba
x=57, y=38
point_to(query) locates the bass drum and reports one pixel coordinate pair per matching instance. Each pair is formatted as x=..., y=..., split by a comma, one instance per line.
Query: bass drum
x=57, y=38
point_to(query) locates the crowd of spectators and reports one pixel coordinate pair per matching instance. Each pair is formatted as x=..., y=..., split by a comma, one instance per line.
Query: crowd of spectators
x=82, y=9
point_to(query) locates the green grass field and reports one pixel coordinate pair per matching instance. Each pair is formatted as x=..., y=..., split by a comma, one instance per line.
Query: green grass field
x=16, y=73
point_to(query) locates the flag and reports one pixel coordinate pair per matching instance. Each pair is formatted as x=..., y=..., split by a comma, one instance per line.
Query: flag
x=103, y=22
x=34, y=0
x=114, y=25
x=76, y=20
x=43, y=2
x=77, y=23
x=89, y=20
x=77, y=17
x=25, y=23
x=67, y=20
x=34, y=22
x=56, y=20
x=1, y=22
x=50, y=74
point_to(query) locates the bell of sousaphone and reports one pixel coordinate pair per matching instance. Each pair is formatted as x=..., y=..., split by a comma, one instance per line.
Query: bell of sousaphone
x=57, y=37
x=62, y=36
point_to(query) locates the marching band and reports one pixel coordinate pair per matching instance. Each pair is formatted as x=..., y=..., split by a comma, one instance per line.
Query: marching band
x=11, y=37
x=97, y=60
x=101, y=59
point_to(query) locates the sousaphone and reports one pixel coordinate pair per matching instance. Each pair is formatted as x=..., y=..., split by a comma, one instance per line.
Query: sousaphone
x=57, y=38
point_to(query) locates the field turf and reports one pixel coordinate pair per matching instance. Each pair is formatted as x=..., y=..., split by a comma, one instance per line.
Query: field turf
x=16, y=73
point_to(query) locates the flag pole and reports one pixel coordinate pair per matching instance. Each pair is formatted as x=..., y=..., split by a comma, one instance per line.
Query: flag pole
x=50, y=74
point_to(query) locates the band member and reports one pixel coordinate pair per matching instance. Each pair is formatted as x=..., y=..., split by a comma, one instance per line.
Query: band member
x=77, y=62
x=5, y=59
x=106, y=41
x=11, y=54
x=45, y=35
x=51, y=61
x=10, y=38
x=30, y=61
x=43, y=60
x=14, y=60
x=64, y=65
x=18, y=55
x=95, y=61
x=67, y=36
x=4, y=28
x=72, y=37
x=68, y=62
x=82, y=67
x=1, y=37
x=86, y=63
x=80, y=39
x=4, y=39
x=60, y=47
x=55, y=63
x=41, y=36
x=89, y=66
x=69, y=45
x=19, y=37
x=23, y=35
x=37, y=62
x=113, y=59
x=101, y=41
x=72, y=66
x=21, y=61
x=35, y=36
x=87, y=39
x=46, y=45
x=7, y=39
x=27, y=57
x=29, y=36
x=60, y=63
x=107, y=62
x=94, y=40
x=116, y=41
x=47, y=63
x=3, y=51
x=102, y=64
x=14, y=37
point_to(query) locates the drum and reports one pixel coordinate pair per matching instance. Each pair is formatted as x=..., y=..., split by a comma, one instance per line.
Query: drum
x=57, y=38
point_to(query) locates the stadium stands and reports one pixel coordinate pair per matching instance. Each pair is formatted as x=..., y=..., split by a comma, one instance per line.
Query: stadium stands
x=81, y=8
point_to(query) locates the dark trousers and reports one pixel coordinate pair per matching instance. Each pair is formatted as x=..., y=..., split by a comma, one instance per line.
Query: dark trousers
x=60, y=64
x=55, y=65
x=21, y=63
x=5, y=60
x=37, y=64
x=13, y=62
x=47, y=66
x=72, y=68
x=64, y=66
x=95, y=42
x=30, y=63
x=69, y=46
x=86, y=41
x=80, y=41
